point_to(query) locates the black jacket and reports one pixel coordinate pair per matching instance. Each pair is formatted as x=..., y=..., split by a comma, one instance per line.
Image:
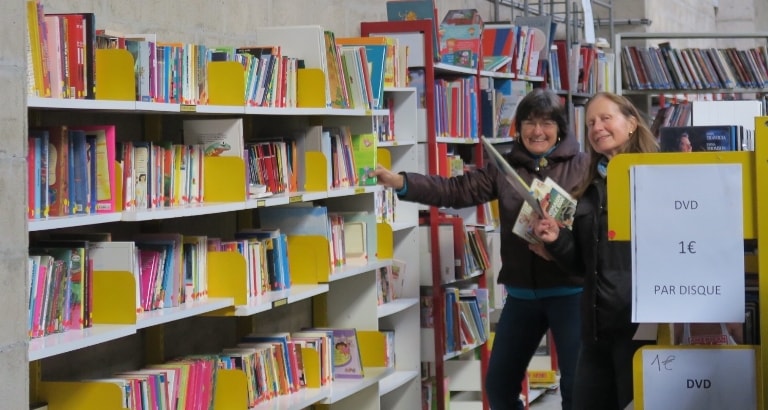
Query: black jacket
x=606, y=266
x=520, y=267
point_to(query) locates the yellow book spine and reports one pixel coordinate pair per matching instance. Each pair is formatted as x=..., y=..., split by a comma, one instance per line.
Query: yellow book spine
x=35, y=52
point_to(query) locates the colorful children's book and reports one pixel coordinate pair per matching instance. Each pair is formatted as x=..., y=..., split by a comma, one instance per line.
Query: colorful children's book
x=364, y=147
x=347, y=363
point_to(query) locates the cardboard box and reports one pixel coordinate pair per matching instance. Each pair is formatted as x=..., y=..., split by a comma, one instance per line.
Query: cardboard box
x=460, y=33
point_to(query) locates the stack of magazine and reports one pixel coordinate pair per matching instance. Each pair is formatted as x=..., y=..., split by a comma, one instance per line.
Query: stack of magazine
x=541, y=196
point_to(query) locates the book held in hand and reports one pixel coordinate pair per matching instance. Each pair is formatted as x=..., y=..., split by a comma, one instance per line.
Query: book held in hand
x=554, y=200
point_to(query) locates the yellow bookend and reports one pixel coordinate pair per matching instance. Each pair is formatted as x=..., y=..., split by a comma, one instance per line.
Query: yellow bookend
x=312, y=372
x=227, y=276
x=114, y=70
x=315, y=169
x=114, y=297
x=309, y=259
x=384, y=242
x=310, y=88
x=384, y=157
x=82, y=395
x=373, y=348
x=231, y=390
x=224, y=179
x=226, y=83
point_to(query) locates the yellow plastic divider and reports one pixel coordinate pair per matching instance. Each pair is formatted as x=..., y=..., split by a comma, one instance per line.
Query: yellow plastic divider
x=231, y=390
x=224, y=179
x=310, y=88
x=226, y=83
x=81, y=395
x=308, y=259
x=114, y=297
x=114, y=70
x=315, y=171
x=384, y=241
x=312, y=372
x=373, y=348
x=227, y=276
x=619, y=199
x=384, y=157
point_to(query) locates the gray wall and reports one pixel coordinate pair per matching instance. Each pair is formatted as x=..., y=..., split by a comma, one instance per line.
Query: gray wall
x=216, y=22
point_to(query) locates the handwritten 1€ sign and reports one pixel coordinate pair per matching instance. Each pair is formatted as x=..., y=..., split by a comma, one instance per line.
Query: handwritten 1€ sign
x=687, y=243
x=700, y=378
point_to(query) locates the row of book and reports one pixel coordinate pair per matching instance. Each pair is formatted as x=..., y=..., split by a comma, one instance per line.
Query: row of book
x=168, y=270
x=521, y=48
x=351, y=236
x=456, y=108
x=664, y=67
x=498, y=103
x=582, y=68
x=274, y=365
x=72, y=169
x=463, y=253
x=62, y=63
x=466, y=316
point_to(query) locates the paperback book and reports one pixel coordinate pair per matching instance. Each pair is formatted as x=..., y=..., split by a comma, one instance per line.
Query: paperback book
x=554, y=200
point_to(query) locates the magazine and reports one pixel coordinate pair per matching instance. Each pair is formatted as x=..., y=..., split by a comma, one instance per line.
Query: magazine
x=517, y=182
x=554, y=200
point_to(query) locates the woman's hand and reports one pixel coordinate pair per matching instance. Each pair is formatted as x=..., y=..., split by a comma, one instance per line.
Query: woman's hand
x=387, y=178
x=546, y=228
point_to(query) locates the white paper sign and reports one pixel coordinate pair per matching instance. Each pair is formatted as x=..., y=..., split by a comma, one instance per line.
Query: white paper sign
x=687, y=243
x=698, y=378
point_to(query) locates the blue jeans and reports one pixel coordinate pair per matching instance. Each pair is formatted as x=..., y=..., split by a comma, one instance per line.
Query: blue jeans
x=522, y=324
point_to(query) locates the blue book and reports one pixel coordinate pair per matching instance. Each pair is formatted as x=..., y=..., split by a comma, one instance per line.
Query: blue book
x=376, y=54
x=78, y=172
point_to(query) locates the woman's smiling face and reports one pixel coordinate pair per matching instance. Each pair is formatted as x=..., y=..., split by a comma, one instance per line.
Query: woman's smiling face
x=538, y=135
x=608, y=129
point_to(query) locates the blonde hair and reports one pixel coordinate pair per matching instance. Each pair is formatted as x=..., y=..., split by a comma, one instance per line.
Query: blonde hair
x=640, y=141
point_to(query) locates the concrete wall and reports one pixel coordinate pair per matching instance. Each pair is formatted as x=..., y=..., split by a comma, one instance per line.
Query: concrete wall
x=14, y=384
x=217, y=22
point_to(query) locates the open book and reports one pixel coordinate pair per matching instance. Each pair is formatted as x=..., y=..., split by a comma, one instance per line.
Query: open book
x=554, y=200
x=514, y=179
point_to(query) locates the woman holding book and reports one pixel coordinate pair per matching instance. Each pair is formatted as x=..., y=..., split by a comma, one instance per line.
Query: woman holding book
x=604, y=370
x=541, y=295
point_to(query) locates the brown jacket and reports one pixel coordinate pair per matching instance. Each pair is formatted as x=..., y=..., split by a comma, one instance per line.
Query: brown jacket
x=520, y=267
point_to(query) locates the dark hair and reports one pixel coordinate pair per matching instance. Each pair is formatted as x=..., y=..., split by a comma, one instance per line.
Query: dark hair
x=542, y=103
x=640, y=141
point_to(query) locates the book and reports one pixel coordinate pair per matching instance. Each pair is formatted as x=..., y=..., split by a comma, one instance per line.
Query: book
x=700, y=138
x=554, y=200
x=514, y=179
x=406, y=10
x=347, y=363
